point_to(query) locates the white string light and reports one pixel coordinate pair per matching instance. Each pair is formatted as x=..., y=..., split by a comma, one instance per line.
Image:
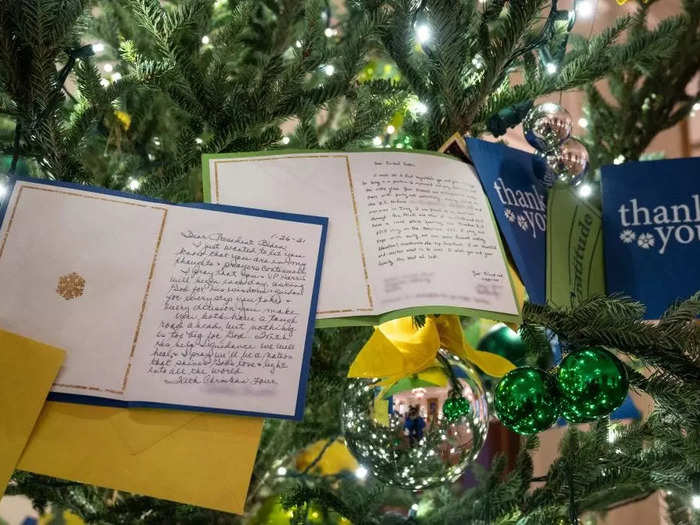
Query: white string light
x=329, y=69
x=298, y=43
x=361, y=472
x=205, y=40
x=285, y=140
x=108, y=68
x=585, y=8
x=619, y=159
x=281, y=471
x=98, y=47
x=116, y=76
x=198, y=140
x=3, y=190
x=390, y=129
x=377, y=141
x=583, y=122
x=422, y=33
x=134, y=184
x=416, y=106
x=104, y=82
x=551, y=68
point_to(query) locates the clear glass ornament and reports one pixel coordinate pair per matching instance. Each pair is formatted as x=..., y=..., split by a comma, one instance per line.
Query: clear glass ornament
x=546, y=126
x=405, y=439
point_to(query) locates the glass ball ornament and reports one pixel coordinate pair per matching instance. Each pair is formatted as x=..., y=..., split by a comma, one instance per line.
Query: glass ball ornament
x=593, y=383
x=503, y=341
x=526, y=400
x=546, y=126
x=418, y=437
x=568, y=162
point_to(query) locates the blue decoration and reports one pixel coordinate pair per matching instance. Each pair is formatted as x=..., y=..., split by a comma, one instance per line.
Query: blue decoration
x=651, y=231
x=512, y=180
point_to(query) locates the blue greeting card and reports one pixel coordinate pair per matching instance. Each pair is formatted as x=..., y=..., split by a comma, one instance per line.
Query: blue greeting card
x=651, y=230
x=209, y=308
x=512, y=180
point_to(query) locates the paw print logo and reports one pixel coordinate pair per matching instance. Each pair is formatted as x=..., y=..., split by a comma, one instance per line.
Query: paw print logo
x=509, y=215
x=627, y=236
x=522, y=222
x=70, y=286
x=645, y=240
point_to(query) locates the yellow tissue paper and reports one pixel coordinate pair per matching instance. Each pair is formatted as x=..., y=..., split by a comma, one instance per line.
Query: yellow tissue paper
x=27, y=370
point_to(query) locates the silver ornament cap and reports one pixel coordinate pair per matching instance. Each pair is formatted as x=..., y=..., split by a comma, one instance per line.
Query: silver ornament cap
x=569, y=162
x=546, y=126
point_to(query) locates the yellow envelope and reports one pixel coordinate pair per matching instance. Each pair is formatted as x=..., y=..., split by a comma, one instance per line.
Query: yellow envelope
x=196, y=458
x=27, y=370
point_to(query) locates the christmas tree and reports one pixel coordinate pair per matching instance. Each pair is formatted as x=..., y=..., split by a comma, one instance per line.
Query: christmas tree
x=127, y=94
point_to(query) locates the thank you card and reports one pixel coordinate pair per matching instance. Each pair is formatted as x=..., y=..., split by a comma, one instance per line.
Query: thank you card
x=651, y=228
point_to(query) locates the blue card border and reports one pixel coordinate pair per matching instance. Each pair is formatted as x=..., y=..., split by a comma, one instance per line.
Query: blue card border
x=253, y=212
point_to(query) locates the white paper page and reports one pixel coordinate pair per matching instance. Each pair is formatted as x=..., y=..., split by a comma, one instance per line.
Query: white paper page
x=429, y=236
x=310, y=183
x=225, y=325
x=74, y=272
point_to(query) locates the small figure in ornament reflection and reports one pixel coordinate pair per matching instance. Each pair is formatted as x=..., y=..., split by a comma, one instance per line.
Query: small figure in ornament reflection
x=414, y=425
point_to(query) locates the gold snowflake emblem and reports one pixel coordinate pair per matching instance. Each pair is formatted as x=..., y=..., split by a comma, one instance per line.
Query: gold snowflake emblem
x=70, y=286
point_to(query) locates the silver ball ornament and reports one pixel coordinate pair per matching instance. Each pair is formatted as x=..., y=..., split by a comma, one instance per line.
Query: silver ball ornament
x=546, y=126
x=421, y=437
x=569, y=162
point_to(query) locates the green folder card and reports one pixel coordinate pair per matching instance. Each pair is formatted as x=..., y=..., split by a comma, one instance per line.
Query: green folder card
x=575, y=268
x=409, y=232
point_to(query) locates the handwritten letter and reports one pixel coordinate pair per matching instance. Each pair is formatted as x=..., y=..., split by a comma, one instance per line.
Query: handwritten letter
x=230, y=316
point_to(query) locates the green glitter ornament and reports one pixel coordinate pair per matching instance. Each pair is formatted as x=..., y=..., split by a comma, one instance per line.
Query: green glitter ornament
x=593, y=383
x=526, y=400
x=455, y=408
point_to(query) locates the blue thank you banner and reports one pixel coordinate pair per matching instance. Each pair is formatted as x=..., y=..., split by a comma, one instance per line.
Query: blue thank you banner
x=512, y=182
x=651, y=230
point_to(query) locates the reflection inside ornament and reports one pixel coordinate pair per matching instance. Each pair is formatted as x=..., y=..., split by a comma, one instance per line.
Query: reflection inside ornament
x=400, y=432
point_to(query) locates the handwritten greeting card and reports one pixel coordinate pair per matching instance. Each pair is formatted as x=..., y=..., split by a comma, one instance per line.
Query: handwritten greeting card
x=163, y=305
x=409, y=232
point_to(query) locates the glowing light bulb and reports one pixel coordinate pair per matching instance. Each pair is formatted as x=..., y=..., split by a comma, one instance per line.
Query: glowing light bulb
x=695, y=501
x=390, y=129
x=205, y=40
x=98, y=47
x=377, y=141
x=583, y=122
x=298, y=43
x=329, y=69
x=414, y=507
x=198, y=140
x=329, y=32
x=696, y=106
x=361, y=472
x=418, y=107
x=108, y=68
x=551, y=68
x=619, y=159
x=3, y=190
x=134, y=184
x=585, y=191
x=285, y=140
x=585, y=8
x=422, y=33
x=104, y=82
x=116, y=76
x=281, y=471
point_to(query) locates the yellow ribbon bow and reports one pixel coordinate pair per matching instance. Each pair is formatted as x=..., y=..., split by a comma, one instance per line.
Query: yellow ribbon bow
x=399, y=348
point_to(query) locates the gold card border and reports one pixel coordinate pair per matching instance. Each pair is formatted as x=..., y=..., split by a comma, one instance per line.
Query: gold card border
x=148, y=283
x=354, y=208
